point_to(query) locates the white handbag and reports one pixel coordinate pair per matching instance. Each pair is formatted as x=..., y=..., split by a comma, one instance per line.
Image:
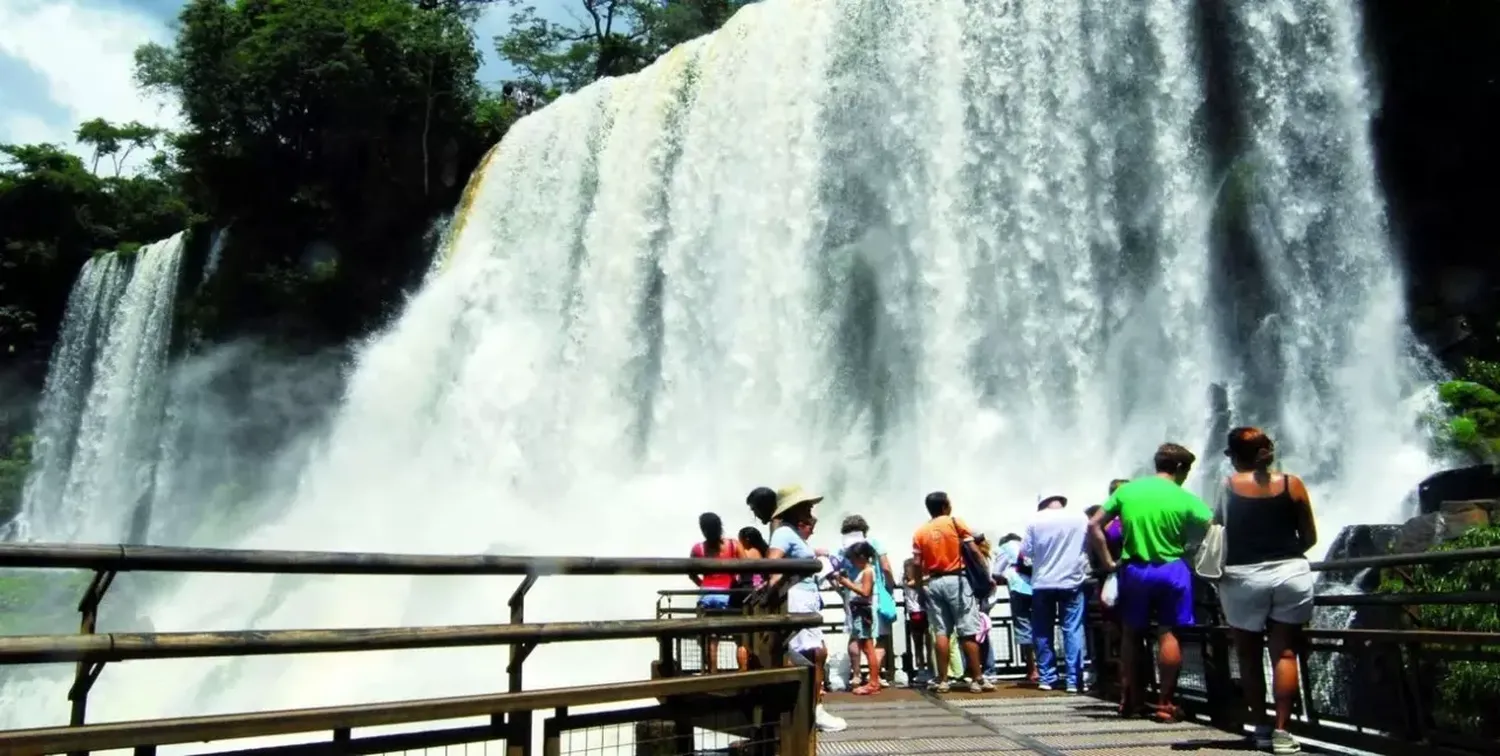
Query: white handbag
x=1208, y=561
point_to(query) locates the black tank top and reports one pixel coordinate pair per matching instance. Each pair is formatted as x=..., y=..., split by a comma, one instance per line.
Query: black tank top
x=1261, y=528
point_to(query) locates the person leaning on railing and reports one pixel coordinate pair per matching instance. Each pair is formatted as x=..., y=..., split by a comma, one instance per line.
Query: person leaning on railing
x=1267, y=583
x=752, y=546
x=789, y=540
x=713, y=546
x=1155, y=580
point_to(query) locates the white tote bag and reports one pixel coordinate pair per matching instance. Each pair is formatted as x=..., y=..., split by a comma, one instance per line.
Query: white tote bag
x=1109, y=594
x=1208, y=561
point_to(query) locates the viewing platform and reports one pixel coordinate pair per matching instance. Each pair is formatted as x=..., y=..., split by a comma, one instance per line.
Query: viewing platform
x=1012, y=720
x=1364, y=690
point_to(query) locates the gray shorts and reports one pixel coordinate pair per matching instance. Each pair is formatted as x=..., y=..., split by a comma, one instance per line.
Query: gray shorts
x=1278, y=591
x=951, y=607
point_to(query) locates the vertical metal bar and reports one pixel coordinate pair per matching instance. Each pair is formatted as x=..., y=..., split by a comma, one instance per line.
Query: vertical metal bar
x=1225, y=707
x=1305, y=683
x=1411, y=683
x=797, y=736
x=518, y=731
x=86, y=672
x=552, y=733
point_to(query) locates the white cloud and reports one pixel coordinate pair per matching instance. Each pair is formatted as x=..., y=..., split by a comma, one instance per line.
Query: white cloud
x=85, y=54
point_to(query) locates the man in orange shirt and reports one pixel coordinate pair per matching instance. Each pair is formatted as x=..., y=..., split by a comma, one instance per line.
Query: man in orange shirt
x=951, y=607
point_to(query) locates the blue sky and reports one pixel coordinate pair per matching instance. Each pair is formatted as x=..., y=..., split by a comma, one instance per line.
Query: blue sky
x=63, y=62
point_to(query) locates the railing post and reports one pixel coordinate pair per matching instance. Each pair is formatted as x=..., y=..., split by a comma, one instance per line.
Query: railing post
x=518, y=731
x=86, y=673
x=1225, y=703
x=797, y=722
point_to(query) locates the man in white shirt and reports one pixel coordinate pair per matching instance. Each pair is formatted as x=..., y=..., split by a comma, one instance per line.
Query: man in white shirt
x=1056, y=541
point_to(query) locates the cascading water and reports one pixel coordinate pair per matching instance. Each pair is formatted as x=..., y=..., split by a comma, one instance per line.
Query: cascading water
x=873, y=247
x=103, y=398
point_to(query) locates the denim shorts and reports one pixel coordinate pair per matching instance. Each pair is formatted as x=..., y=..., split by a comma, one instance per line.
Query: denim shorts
x=714, y=601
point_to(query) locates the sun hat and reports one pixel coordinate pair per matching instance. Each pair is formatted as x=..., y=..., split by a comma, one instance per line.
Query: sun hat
x=791, y=496
x=1045, y=500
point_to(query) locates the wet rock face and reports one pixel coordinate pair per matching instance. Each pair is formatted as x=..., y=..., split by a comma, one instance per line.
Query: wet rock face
x=1480, y=482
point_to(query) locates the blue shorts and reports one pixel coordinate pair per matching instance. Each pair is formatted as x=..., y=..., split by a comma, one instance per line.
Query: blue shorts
x=1163, y=592
x=714, y=601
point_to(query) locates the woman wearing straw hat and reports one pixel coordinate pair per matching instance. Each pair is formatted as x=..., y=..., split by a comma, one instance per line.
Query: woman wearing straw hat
x=789, y=541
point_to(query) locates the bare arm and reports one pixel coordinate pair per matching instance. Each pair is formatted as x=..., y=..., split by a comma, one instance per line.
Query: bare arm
x=1100, y=544
x=866, y=585
x=1307, y=526
x=693, y=576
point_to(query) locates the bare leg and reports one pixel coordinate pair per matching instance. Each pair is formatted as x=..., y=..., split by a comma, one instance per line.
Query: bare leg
x=855, y=648
x=941, y=650
x=1130, y=687
x=1285, y=640
x=742, y=657
x=972, y=667
x=711, y=655
x=1249, y=647
x=1168, y=665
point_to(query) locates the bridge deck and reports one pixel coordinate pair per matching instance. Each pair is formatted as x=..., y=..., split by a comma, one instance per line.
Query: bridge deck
x=1014, y=721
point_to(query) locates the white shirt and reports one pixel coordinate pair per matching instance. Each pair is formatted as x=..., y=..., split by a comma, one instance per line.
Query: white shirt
x=1056, y=540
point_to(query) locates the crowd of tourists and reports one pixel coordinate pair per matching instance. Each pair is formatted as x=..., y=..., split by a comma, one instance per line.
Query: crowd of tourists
x=1136, y=554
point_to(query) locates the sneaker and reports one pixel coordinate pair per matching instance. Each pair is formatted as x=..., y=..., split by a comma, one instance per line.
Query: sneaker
x=1261, y=738
x=941, y=687
x=1044, y=686
x=826, y=722
x=1075, y=690
x=986, y=686
x=976, y=687
x=1282, y=743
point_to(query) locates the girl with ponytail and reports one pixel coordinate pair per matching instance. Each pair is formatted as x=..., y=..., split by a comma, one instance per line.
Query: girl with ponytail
x=1267, y=587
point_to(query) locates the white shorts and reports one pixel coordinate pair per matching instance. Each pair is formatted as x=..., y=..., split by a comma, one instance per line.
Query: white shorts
x=1278, y=591
x=798, y=600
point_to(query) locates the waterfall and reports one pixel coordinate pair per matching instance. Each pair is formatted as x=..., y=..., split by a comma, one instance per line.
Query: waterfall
x=102, y=402
x=874, y=248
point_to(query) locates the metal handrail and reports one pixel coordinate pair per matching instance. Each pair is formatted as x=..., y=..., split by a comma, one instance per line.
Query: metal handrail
x=110, y=647
x=1406, y=560
x=119, y=735
x=122, y=558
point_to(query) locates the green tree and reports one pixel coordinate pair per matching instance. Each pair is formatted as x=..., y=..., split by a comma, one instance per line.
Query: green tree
x=607, y=38
x=1472, y=402
x=57, y=213
x=345, y=123
x=14, y=464
x=116, y=141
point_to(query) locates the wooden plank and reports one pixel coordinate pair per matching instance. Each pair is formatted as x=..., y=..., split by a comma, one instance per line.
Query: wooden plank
x=120, y=558
x=113, y=735
x=108, y=647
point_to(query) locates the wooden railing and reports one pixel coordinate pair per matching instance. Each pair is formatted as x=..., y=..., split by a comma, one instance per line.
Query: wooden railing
x=1391, y=666
x=779, y=699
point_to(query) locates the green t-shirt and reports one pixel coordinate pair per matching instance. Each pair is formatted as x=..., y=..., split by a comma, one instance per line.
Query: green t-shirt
x=1155, y=513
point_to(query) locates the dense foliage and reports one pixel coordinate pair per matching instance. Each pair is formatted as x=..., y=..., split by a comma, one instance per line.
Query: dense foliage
x=610, y=38
x=1468, y=697
x=58, y=212
x=1471, y=426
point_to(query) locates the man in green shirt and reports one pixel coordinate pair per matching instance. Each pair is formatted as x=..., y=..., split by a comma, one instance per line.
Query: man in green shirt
x=1155, y=581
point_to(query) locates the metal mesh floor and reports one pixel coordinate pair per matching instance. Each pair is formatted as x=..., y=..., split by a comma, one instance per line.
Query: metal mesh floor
x=1055, y=725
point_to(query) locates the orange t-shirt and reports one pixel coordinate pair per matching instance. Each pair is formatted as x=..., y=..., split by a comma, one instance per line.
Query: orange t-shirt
x=938, y=545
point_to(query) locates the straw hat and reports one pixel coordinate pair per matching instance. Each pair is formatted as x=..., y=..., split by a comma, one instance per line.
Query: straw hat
x=791, y=496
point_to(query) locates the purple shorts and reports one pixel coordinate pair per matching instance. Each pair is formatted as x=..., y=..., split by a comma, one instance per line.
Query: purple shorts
x=1163, y=592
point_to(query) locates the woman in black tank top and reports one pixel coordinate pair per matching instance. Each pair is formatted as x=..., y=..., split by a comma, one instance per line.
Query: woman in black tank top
x=1267, y=587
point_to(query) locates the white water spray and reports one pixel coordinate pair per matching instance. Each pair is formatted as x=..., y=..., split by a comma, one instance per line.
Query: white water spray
x=103, y=399
x=874, y=248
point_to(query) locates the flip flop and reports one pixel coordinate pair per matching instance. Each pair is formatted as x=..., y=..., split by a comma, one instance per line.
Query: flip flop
x=865, y=690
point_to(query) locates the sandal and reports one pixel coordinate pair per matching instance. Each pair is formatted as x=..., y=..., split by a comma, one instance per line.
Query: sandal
x=866, y=690
x=1166, y=714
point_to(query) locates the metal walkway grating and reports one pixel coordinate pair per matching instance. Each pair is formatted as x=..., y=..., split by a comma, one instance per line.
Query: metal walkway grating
x=1013, y=721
